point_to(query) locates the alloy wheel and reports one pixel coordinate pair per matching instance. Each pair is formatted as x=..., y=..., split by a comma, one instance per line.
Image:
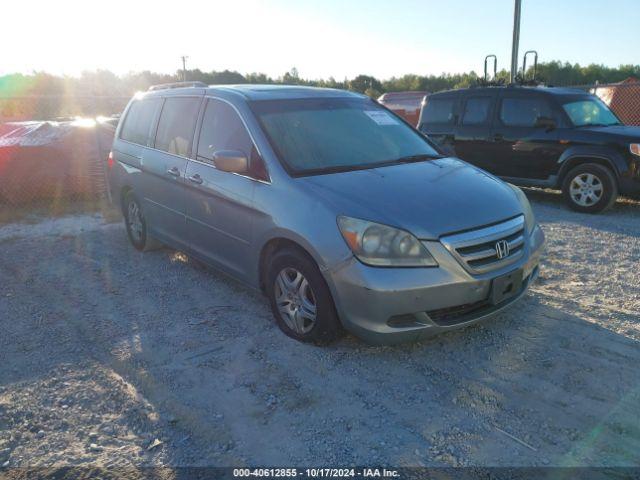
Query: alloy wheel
x=586, y=189
x=134, y=220
x=295, y=300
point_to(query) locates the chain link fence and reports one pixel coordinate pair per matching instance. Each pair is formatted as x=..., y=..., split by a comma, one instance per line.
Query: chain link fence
x=623, y=98
x=54, y=148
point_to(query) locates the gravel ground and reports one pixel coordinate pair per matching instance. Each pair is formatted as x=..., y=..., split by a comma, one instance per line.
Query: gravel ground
x=110, y=357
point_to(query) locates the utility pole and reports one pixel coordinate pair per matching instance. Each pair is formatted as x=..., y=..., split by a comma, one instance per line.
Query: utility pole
x=184, y=68
x=516, y=39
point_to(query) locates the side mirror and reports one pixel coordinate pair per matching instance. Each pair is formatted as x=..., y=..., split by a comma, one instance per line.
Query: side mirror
x=232, y=161
x=547, y=123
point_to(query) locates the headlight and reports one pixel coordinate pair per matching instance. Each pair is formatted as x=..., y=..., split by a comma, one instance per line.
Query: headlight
x=635, y=149
x=529, y=217
x=383, y=246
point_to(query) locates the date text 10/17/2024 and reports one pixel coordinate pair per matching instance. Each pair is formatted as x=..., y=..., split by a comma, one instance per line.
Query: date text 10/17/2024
x=316, y=472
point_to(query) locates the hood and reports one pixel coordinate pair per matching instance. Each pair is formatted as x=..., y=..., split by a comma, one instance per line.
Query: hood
x=429, y=199
x=622, y=132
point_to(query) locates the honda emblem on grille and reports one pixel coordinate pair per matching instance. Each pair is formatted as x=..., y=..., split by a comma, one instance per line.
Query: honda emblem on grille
x=502, y=249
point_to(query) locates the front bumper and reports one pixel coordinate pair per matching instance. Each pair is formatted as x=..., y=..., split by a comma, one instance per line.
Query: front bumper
x=393, y=305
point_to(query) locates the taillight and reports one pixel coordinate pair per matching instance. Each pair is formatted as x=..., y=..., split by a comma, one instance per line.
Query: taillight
x=110, y=160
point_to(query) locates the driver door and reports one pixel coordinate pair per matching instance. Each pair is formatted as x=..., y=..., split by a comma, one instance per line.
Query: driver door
x=219, y=205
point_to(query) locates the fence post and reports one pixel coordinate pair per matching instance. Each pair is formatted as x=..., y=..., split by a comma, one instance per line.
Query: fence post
x=101, y=161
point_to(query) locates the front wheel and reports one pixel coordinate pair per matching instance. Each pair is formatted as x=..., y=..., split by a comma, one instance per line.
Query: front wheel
x=590, y=188
x=300, y=298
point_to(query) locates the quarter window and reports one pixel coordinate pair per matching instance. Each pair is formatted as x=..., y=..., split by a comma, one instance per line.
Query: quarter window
x=438, y=110
x=523, y=112
x=139, y=122
x=476, y=111
x=222, y=129
x=176, y=125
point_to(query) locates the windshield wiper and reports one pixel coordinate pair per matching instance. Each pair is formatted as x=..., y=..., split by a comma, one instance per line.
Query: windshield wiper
x=599, y=125
x=416, y=158
x=366, y=166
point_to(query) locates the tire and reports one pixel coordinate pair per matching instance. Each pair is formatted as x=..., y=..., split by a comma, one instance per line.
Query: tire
x=137, y=227
x=306, y=288
x=590, y=188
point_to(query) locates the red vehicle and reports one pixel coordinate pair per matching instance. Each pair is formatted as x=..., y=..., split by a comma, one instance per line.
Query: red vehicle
x=405, y=104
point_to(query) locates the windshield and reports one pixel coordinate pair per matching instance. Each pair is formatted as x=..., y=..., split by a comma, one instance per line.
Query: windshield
x=323, y=135
x=590, y=111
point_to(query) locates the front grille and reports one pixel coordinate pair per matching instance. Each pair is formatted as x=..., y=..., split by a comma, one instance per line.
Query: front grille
x=477, y=250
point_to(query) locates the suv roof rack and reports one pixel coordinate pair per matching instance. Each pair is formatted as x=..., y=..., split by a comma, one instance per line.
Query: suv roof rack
x=165, y=86
x=535, y=65
x=489, y=81
x=495, y=67
x=520, y=81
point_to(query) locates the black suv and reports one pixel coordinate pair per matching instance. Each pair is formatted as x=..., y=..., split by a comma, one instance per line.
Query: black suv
x=539, y=136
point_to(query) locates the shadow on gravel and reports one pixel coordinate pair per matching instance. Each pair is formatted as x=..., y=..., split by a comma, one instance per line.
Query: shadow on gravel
x=160, y=350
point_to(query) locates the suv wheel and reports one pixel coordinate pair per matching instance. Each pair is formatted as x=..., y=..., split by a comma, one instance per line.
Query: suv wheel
x=300, y=298
x=590, y=188
x=136, y=224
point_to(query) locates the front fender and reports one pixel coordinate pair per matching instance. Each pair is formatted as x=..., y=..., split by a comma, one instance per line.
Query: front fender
x=610, y=156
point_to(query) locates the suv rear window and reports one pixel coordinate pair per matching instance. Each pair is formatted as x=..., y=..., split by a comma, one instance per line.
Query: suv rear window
x=476, y=111
x=438, y=110
x=522, y=111
x=176, y=125
x=138, y=124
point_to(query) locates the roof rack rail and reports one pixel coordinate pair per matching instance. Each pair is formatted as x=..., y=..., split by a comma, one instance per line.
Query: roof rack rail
x=535, y=65
x=520, y=81
x=495, y=67
x=487, y=80
x=165, y=86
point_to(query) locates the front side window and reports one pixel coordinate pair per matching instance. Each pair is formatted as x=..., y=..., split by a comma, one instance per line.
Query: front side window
x=438, y=110
x=590, y=111
x=139, y=122
x=176, y=125
x=322, y=135
x=523, y=111
x=476, y=111
x=223, y=129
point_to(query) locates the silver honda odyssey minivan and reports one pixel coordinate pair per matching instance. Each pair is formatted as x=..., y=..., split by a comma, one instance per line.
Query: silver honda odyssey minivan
x=344, y=215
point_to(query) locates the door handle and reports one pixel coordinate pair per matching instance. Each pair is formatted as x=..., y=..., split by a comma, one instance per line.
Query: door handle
x=174, y=172
x=197, y=179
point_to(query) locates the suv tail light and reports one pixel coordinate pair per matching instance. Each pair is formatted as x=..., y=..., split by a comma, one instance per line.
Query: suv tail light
x=110, y=160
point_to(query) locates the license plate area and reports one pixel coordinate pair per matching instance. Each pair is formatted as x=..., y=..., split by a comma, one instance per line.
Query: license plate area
x=506, y=286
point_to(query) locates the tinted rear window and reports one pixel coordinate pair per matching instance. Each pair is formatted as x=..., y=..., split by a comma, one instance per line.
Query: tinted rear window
x=523, y=112
x=176, y=125
x=138, y=125
x=476, y=111
x=438, y=110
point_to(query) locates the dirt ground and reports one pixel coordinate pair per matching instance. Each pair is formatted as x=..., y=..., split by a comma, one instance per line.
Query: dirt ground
x=111, y=357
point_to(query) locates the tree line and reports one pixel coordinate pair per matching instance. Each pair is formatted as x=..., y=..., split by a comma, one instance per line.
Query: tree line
x=41, y=95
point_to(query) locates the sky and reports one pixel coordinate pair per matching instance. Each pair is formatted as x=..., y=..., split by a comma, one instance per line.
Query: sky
x=339, y=38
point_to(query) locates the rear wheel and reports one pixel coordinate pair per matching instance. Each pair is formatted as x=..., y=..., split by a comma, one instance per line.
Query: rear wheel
x=136, y=224
x=590, y=188
x=300, y=298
